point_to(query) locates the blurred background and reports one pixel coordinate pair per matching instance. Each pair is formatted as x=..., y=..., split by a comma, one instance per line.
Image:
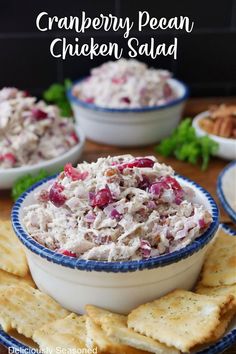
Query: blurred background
x=206, y=57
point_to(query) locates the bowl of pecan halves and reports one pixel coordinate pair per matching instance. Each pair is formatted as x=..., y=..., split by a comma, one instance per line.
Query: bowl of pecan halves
x=219, y=122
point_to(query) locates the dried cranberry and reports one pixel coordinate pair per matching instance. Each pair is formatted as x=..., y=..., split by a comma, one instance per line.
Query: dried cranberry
x=56, y=196
x=1, y=158
x=89, y=100
x=38, y=114
x=67, y=253
x=9, y=156
x=172, y=182
x=202, y=223
x=101, y=198
x=73, y=173
x=126, y=100
x=118, y=80
x=141, y=163
x=74, y=137
x=144, y=162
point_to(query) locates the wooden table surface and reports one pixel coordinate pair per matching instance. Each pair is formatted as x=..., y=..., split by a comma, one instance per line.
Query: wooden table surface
x=206, y=179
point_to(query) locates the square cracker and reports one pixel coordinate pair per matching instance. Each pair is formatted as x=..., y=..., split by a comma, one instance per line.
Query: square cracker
x=115, y=327
x=229, y=314
x=181, y=318
x=67, y=333
x=216, y=291
x=99, y=341
x=12, y=256
x=220, y=265
x=8, y=279
x=27, y=309
x=224, y=323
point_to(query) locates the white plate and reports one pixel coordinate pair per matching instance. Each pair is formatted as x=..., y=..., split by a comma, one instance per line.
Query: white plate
x=19, y=346
x=9, y=176
x=227, y=146
x=226, y=189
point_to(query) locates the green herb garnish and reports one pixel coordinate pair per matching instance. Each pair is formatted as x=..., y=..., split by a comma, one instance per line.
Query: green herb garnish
x=25, y=182
x=185, y=145
x=56, y=94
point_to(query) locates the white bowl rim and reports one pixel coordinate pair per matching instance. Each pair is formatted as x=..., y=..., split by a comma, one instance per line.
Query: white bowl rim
x=116, y=267
x=94, y=107
x=47, y=163
x=217, y=138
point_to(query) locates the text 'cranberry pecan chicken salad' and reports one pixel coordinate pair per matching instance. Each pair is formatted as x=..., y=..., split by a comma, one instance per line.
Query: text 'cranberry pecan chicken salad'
x=31, y=132
x=116, y=209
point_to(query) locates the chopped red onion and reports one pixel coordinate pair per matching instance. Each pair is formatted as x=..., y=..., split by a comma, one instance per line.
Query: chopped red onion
x=115, y=215
x=145, y=249
x=90, y=217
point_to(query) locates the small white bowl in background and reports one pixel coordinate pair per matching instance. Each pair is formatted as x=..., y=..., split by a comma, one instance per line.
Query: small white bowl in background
x=227, y=146
x=131, y=126
x=10, y=175
x=118, y=286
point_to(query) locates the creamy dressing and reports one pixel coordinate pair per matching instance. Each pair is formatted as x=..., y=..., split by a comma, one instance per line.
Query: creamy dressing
x=31, y=131
x=125, y=84
x=114, y=209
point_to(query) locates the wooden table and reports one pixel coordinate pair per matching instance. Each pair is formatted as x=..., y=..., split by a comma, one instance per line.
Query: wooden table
x=206, y=179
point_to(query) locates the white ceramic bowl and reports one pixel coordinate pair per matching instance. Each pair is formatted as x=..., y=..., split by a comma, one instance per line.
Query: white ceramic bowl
x=9, y=176
x=118, y=286
x=129, y=127
x=226, y=189
x=21, y=345
x=227, y=147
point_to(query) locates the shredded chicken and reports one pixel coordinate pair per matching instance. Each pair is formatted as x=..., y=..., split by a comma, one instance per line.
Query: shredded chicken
x=30, y=131
x=125, y=83
x=115, y=209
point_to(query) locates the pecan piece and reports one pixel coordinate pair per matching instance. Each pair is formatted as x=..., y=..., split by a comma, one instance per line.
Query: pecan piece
x=226, y=128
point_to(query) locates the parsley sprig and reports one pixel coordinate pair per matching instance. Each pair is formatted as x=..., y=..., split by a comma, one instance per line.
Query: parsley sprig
x=25, y=182
x=56, y=94
x=185, y=145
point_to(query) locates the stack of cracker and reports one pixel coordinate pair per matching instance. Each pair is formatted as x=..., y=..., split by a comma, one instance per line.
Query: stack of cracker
x=175, y=323
x=13, y=265
x=219, y=274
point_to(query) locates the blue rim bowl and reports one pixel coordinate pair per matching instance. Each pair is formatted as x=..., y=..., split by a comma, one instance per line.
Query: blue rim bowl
x=229, y=210
x=115, y=267
x=221, y=345
x=75, y=100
